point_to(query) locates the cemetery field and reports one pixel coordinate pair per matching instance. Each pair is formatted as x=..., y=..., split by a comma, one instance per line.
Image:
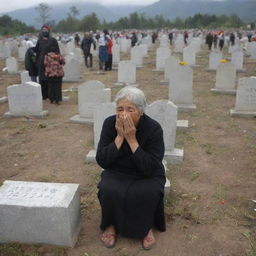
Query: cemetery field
x=209, y=211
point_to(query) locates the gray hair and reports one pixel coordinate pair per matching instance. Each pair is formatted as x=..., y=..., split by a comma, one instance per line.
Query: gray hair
x=133, y=94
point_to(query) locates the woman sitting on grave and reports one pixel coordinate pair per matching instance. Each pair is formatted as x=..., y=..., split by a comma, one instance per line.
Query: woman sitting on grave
x=131, y=189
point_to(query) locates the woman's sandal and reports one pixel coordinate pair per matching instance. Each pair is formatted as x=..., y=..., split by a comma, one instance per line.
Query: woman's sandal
x=111, y=239
x=148, y=241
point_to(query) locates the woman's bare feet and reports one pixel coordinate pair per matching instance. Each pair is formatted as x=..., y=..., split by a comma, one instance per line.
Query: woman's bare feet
x=108, y=237
x=149, y=240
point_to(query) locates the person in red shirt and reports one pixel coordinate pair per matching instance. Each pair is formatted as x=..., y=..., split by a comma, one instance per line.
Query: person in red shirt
x=108, y=63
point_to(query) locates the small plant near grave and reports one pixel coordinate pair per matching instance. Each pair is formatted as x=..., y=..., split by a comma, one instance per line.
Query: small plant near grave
x=208, y=148
x=194, y=175
x=42, y=126
x=220, y=193
x=251, y=236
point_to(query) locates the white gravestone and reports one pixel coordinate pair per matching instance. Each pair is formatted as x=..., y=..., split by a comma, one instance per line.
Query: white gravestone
x=22, y=51
x=245, y=98
x=165, y=113
x=164, y=41
x=125, y=44
x=161, y=55
x=12, y=65
x=137, y=56
x=144, y=48
x=24, y=77
x=70, y=47
x=78, y=55
x=116, y=54
x=237, y=58
x=189, y=56
x=170, y=64
x=36, y=212
x=7, y=50
x=3, y=99
x=251, y=50
x=179, y=44
x=214, y=60
x=90, y=94
x=72, y=71
x=25, y=100
x=126, y=73
x=181, y=88
x=101, y=112
x=147, y=40
x=225, y=79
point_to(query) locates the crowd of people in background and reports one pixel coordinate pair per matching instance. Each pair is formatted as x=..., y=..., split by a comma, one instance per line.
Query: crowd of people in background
x=44, y=60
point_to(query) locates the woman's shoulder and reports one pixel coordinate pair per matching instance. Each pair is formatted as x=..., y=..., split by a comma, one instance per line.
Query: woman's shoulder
x=110, y=119
x=150, y=122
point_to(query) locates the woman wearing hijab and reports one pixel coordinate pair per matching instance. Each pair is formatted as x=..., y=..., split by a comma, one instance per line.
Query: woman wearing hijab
x=44, y=43
x=131, y=190
x=53, y=62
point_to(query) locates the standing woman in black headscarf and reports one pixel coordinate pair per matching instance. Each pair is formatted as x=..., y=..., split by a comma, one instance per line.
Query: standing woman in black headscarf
x=54, y=62
x=44, y=43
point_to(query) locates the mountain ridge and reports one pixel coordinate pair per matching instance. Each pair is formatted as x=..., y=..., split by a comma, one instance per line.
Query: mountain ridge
x=169, y=9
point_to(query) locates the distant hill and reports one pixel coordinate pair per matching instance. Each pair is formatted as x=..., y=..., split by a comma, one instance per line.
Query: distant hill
x=171, y=9
x=59, y=12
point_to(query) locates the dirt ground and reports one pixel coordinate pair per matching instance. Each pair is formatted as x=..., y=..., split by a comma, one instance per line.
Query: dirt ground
x=209, y=210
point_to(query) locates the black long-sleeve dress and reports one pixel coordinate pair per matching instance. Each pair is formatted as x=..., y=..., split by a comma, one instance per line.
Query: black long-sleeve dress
x=131, y=189
x=41, y=49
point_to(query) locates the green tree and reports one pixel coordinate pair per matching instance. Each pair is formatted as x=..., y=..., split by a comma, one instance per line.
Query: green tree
x=43, y=10
x=8, y=26
x=73, y=12
x=90, y=22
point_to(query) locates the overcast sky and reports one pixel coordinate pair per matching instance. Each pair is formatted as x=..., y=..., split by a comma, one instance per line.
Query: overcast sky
x=11, y=5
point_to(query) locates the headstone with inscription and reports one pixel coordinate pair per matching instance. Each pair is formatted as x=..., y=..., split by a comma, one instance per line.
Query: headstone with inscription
x=36, y=212
x=90, y=94
x=25, y=100
x=245, y=98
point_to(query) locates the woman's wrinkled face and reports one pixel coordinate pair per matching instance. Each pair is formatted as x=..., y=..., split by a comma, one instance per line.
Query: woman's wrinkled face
x=125, y=108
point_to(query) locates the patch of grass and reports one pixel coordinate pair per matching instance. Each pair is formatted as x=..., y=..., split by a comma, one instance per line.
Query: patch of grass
x=251, y=236
x=208, y=148
x=45, y=179
x=42, y=126
x=10, y=250
x=220, y=193
x=194, y=175
x=193, y=113
x=182, y=137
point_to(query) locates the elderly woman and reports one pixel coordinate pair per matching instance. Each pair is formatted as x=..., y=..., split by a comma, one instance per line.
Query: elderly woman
x=131, y=189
